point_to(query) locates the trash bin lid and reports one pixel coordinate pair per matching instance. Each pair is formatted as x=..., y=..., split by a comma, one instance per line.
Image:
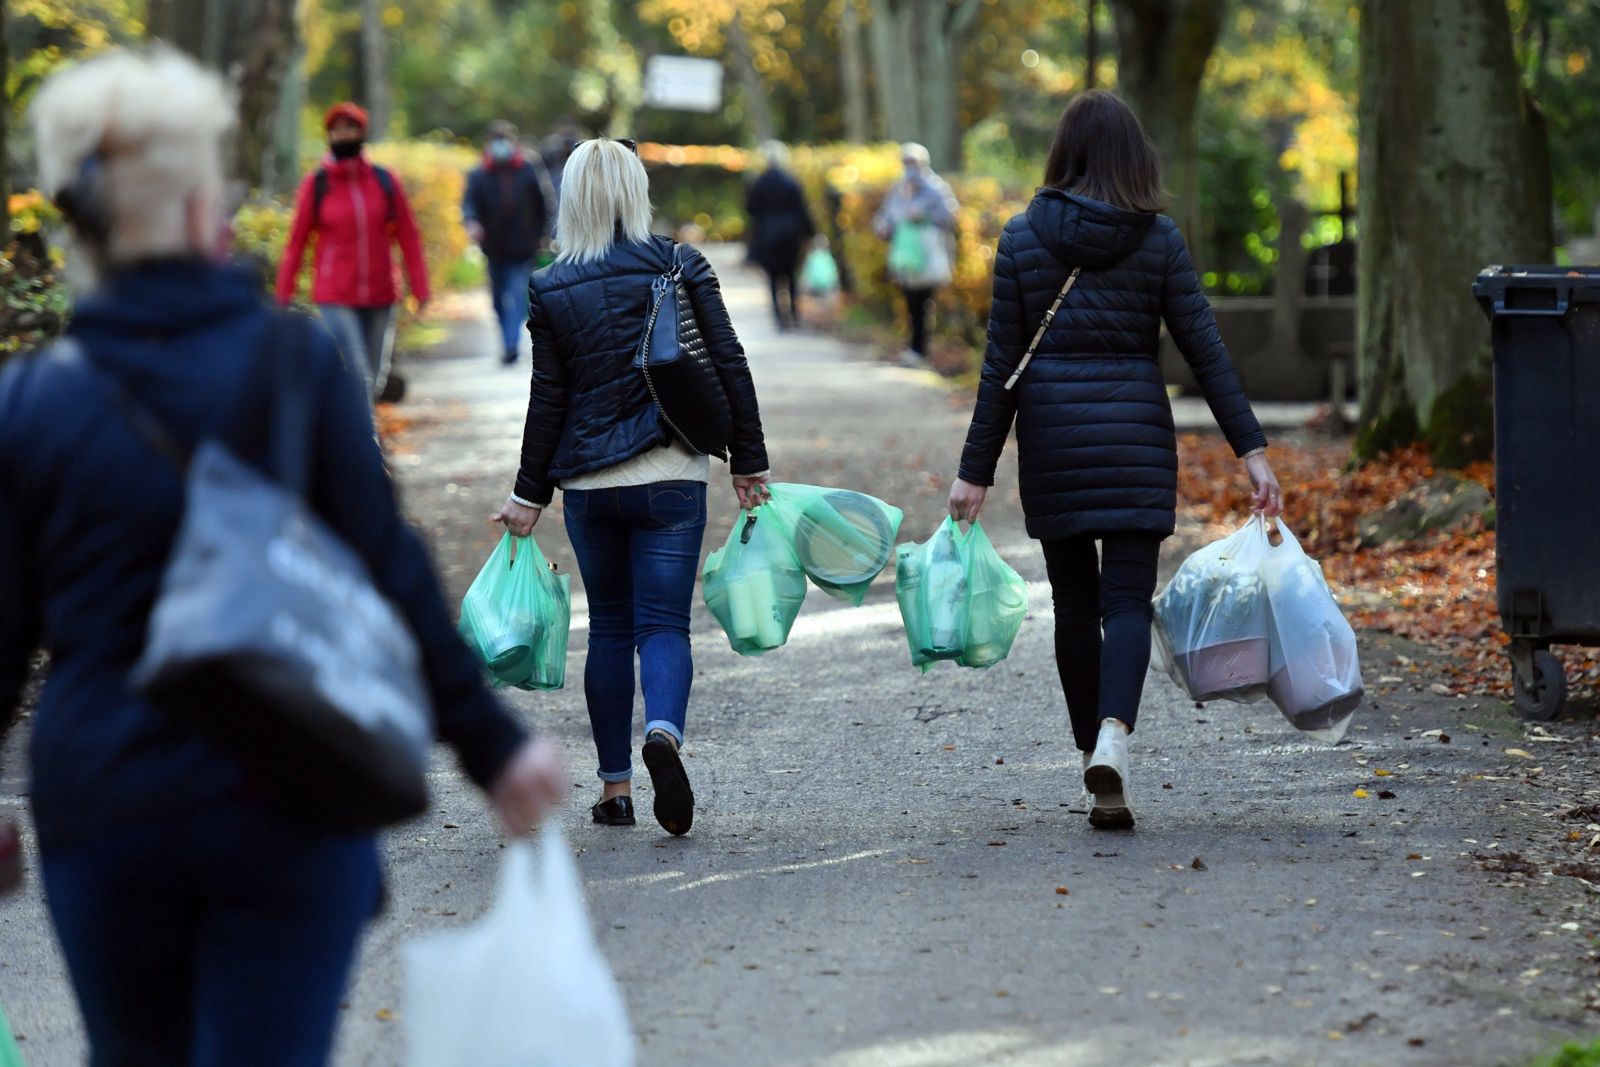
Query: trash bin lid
x=1548, y=289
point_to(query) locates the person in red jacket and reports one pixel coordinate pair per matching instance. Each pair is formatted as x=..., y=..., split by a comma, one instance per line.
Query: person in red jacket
x=358, y=211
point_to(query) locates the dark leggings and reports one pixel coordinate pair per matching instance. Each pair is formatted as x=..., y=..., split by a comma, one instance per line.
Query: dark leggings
x=779, y=282
x=1102, y=678
x=917, y=301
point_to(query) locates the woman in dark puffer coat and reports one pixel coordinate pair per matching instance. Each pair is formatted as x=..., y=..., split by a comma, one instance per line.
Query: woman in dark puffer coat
x=1095, y=437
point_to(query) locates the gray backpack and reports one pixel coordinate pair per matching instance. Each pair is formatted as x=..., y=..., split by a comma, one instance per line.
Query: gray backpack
x=268, y=635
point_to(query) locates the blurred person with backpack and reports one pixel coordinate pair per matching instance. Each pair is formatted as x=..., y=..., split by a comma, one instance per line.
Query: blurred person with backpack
x=208, y=904
x=507, y=209
x=358, y=212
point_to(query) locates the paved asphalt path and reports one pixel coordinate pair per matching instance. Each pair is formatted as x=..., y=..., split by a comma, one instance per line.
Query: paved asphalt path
x=894, y=870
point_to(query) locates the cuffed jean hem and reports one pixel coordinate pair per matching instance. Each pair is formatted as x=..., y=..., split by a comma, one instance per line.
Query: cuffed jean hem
x=615, y=776
x=665, y=727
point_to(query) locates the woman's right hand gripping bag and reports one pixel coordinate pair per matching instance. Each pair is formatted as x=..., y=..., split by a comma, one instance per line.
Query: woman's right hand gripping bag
x=754, y=585
x=1315, y=673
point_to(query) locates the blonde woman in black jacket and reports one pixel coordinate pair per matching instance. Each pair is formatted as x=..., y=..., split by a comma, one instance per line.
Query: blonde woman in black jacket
x=1095, y=437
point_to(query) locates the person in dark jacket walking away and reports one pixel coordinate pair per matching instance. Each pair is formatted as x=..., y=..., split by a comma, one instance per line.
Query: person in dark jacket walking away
x=633, y=495
x=200, y=924
x=1095, y=437
x=780, y=227
x=358, y=211
x=506, y=210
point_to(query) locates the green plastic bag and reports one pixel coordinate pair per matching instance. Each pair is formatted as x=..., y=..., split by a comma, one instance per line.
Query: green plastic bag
x=517, y=615
x=842, y=539
x=959, y=600
x=819, y=275
x=908, y=251
x=10, y=1055
x=754, y=585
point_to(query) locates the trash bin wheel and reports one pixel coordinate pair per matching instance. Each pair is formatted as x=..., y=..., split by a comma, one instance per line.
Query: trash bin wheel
x=1542, y=697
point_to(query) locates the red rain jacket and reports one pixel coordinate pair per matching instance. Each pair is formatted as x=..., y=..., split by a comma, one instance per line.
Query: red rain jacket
x=355, y=227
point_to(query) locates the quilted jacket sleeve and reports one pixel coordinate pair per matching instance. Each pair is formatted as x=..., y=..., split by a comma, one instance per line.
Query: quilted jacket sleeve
x=997, y=406
x=1194, y=328
x=749, y=449
x=547, y=407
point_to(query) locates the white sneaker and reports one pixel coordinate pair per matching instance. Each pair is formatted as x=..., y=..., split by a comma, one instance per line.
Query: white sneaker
x=1105, y=775
x=912, y=359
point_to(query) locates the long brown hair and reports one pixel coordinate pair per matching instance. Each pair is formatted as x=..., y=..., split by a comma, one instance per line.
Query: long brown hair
x=1100, y=151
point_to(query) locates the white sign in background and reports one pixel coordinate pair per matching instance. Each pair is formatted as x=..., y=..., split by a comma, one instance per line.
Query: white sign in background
x=683, y=83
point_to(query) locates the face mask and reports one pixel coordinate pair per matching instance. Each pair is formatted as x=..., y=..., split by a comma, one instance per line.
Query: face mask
x=501, y=149
x=346, y=149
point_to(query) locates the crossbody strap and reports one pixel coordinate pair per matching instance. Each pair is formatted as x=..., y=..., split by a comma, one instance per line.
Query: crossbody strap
x=1027, y=357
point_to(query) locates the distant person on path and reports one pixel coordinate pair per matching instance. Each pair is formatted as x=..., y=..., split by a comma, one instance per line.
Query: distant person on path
x=780, y=228
x=357, y=211
x=507, y=210
x=200, y=923
x=633, y=496
x=918, y=219
x=1095, y=438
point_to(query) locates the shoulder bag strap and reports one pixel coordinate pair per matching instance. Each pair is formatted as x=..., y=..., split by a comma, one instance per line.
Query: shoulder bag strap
x=1038, y=336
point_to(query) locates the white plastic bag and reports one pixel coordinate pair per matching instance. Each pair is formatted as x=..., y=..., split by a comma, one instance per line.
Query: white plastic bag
x=1212, y=621
x=1315, y=674
x=525, y=986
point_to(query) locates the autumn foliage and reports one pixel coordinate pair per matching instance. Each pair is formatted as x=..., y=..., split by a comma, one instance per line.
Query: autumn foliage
x=1438, y=590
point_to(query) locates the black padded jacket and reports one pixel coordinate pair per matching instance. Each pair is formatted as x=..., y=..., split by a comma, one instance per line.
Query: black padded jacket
x=588, y=408
x=1095, y=439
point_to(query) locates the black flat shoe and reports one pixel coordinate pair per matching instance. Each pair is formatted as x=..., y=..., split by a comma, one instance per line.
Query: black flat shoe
x=618, y=811
x=674, y=804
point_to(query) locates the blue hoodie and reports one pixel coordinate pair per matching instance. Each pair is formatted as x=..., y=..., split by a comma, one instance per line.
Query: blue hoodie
x=87, y=517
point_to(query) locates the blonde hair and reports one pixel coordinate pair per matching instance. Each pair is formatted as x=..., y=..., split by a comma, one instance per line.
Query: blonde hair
x=157, y=119
x=912, y=150
x=603, y=186
x=775, y=153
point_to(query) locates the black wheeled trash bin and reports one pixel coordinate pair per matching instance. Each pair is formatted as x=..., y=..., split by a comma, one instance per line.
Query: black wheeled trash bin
x=1546, y=327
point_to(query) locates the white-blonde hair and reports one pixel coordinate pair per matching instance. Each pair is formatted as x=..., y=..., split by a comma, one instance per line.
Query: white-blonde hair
x=912, y=150
x=775, y=153
x=603, y=186
x=157, y=120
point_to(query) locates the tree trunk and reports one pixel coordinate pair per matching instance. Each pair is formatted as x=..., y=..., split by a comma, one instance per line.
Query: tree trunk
x=916, y=45
x=180, y=23
x=1455, y=175
x=262, y=78
x=853, y=70
x=1162, y=50
x=5, y=130
x=374, y=69
x=752, y=92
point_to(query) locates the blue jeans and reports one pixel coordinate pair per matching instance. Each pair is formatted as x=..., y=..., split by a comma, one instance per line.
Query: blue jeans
x=638, y=549
x=220, y=938
x=508, y=287
x=366, y=339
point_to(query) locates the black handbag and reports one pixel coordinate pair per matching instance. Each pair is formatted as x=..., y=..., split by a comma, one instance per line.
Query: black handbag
x=268, y=634
x=678, y=369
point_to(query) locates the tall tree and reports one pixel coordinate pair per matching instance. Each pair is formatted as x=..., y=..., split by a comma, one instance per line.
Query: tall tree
x=1162, y=50
x=262, y=73
x=374, y=68
x=852, y=70
x=916, y=45
x=1454, y=176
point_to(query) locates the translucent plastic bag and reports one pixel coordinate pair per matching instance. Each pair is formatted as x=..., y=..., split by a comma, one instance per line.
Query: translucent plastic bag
x=819, y=275
x=754, y=585
x=842, y=539
x=526, y=985
x=517, y=615
x=1315, y=672
x=958, y=599
x=1213, y=620
x=10, y=1055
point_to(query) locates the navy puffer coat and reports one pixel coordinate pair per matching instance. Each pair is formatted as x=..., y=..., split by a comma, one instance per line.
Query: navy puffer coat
x=588, y=408
x=1095, y=438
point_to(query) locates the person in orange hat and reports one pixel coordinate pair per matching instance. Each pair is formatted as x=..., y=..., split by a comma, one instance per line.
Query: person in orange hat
x=358, y=211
